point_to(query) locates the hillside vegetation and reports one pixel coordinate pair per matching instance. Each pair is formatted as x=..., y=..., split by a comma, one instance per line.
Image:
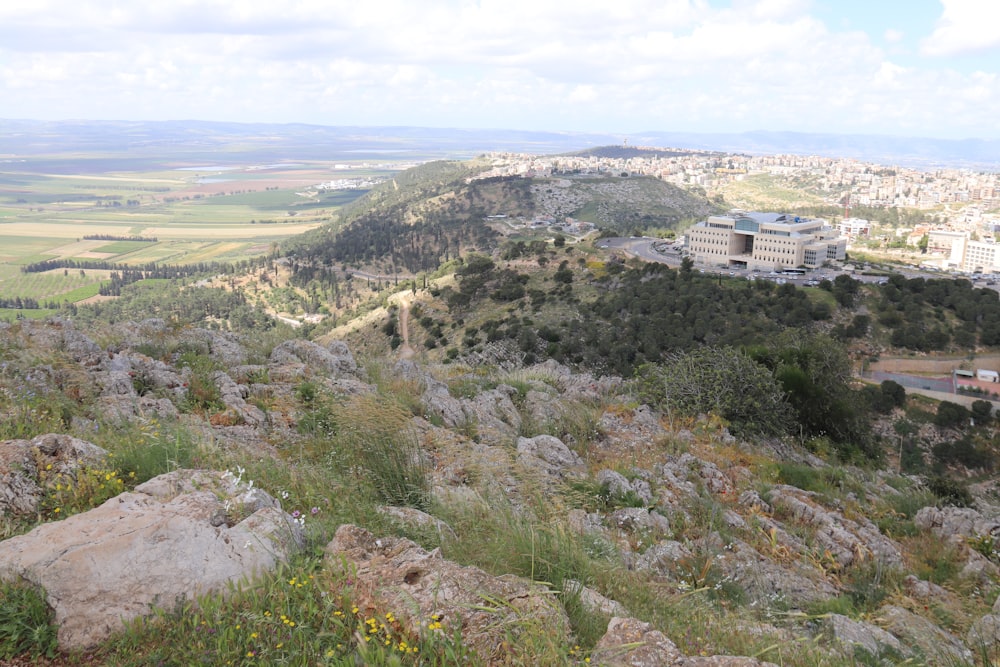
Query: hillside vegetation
x=496, y=445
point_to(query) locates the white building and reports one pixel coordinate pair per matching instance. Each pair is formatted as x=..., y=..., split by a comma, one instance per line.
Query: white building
x=852, y=228
x=765, y=241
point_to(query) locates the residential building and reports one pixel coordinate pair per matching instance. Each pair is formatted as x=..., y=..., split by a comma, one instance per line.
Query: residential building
x=852, y=228
x=981, y=257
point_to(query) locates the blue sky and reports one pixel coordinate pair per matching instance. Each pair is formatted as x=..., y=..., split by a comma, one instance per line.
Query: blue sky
x=901, y=67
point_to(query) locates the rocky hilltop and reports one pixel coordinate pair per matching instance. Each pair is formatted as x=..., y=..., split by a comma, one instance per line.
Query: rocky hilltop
x=534, y=515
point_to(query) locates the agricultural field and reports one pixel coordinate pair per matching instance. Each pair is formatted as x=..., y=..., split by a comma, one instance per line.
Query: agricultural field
x=197, y=210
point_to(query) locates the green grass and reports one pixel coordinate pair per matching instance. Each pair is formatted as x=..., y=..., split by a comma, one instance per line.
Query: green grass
x=26, y=249
x=11, y=314
x=53, y=284
x=122, y=247
x=27, y=625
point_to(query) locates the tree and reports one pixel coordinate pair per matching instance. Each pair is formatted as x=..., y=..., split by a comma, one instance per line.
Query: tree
x=982, y=412
x=951, y=415
x=723, y=381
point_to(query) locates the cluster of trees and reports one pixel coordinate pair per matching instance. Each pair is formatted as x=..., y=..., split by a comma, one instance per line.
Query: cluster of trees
x=112, y=237
x=649, y=312
x=179, y=306
x=795, y=384
x=149, y=269
x=935, y=314
x=26, y=303
x=116, y=203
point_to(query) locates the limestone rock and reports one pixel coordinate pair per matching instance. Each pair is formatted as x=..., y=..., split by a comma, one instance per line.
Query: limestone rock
x=592, y=600
x=847, y=634
x=664, y=558
x=334, y=360
x=234, y=398
x=956, y=523
x=557, y=457
x=414, y=517
x=494, y=414
x=936, y=645
x=222, y=346
x=633, y=643
x=23, y=464
x=846, y=539
x=491, y=612
x=984, y=636
x=147, y=549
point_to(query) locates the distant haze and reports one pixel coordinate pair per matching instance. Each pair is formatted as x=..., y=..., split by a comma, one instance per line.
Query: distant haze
x=238, y=143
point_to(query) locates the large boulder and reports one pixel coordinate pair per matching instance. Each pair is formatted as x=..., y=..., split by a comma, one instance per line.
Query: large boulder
x=172, y=539
x=492, y=613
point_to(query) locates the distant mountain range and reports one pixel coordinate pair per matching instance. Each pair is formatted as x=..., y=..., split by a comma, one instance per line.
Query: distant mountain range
x=237, y=142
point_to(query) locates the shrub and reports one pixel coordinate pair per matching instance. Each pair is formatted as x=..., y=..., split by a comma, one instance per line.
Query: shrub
x=722, y=381
x=949, y=491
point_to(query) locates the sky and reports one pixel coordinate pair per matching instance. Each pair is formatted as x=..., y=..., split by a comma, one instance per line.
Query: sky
x=927, y=68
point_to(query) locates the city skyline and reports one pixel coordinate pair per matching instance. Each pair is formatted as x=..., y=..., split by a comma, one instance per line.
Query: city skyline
x=926, y=68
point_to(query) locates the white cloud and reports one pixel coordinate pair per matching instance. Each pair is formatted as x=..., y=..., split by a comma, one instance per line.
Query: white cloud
x=893, y=36
x=628, y=65
x=965, y=26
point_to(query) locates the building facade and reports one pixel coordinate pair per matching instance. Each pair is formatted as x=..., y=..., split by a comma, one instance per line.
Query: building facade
x=765, y=241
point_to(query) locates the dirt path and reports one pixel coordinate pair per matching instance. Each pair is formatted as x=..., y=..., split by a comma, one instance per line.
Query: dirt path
x=405, y=351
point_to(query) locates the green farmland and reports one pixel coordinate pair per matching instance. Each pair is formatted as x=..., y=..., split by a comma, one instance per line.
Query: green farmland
x=196, y=214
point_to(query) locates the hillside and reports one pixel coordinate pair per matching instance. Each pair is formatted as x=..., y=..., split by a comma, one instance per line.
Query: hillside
x=567, y=520
x=423, y=435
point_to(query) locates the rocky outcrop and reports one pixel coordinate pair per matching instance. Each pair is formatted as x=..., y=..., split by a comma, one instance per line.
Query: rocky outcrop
x=26, y=466
x=935, y=645
x=956, y=523
x=847, y=540
x=172, y=539
x=549, y=454
x=221, y=346
x=334, y=360
x=846, y=634
x=234, y=398
x=633, y=643
x=496, y=419
x=491, y=612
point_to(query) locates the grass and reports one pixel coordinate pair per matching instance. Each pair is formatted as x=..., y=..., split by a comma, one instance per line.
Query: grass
x=27, y=624
x=301, y=614
x=121, y=247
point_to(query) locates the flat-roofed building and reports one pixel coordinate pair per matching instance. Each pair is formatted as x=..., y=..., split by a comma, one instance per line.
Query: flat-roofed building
x=852, y=228
x=769, y=241
x=981, y=257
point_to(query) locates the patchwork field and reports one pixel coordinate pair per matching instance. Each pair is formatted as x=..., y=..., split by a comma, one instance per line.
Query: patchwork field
x=198, y=210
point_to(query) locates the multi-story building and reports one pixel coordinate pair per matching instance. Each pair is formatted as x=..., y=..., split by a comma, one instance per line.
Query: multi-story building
x=981, y=257
x=768, y=241
x=852, y=228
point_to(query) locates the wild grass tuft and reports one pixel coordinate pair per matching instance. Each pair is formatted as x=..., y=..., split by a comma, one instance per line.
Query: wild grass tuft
x=379, y=451
x=27, y=624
